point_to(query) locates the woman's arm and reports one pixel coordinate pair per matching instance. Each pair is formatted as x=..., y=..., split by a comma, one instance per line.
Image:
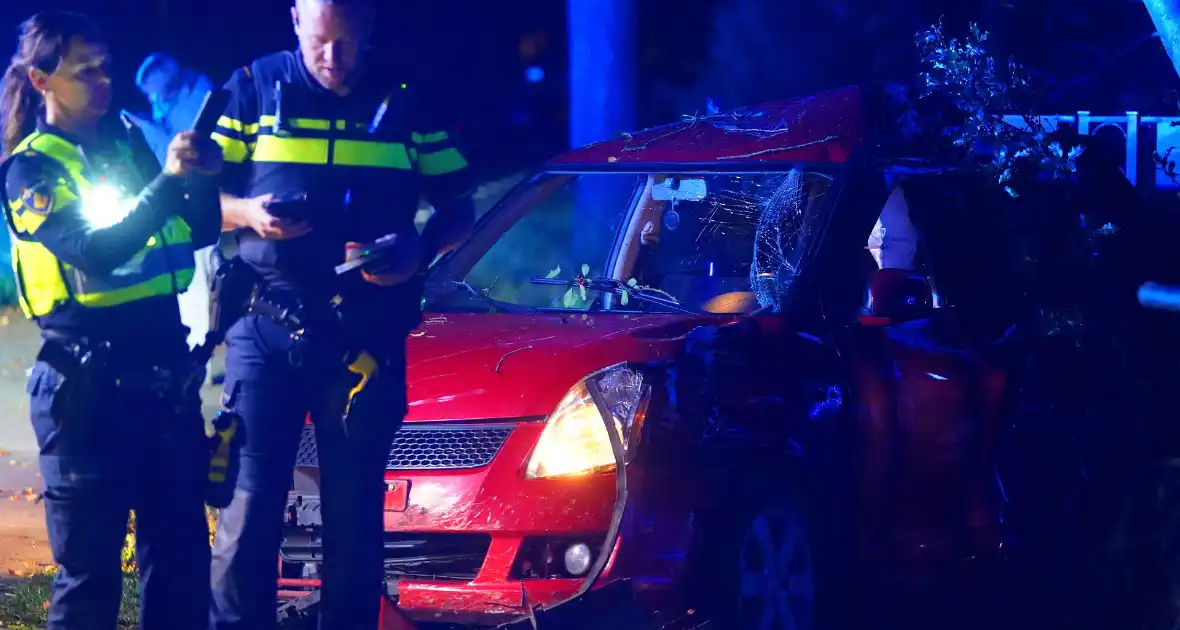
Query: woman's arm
x=202, y=210
x=51, y=214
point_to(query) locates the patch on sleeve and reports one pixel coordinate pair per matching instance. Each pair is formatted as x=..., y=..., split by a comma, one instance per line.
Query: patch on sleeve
x=38, y=198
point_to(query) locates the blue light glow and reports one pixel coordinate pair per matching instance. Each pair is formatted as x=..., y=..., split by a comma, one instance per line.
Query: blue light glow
x=534, y=74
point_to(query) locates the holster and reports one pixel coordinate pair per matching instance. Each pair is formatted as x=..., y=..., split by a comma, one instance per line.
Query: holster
x=233, y=287
x=85, y=368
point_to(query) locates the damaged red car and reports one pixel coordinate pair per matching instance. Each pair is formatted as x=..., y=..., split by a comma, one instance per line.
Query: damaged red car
x=703, y=367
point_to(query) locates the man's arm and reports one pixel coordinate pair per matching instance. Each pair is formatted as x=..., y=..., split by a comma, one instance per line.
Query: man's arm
x=44, y=208
x=237, y=133
x=447, y=183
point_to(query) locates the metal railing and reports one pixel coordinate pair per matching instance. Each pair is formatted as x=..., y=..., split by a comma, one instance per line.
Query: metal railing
x=1142, y=135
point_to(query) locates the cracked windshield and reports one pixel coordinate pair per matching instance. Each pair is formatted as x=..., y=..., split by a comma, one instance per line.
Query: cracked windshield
x=715, y=243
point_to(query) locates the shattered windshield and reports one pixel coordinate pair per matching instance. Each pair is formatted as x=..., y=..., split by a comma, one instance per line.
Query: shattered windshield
x=717, y=242
x=724, y=243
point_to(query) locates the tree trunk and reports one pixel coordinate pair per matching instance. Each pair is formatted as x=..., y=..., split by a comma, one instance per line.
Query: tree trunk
x=602, y=62
x=1166, y=16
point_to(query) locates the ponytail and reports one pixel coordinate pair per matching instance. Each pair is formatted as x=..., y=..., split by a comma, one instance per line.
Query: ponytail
x=18, y=105
x=43, y=42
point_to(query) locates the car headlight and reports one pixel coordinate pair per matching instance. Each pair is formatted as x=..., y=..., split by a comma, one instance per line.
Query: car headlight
x=105, y=205
x=575, y=441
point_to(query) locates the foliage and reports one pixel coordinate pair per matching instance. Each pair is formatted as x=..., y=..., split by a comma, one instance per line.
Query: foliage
x=961, y=72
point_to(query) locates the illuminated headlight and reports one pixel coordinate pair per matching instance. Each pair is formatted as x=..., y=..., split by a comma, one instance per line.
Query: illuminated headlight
x=575, y=441
x=105, y=205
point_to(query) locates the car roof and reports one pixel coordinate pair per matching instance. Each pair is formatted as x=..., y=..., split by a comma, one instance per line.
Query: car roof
x=823, y=128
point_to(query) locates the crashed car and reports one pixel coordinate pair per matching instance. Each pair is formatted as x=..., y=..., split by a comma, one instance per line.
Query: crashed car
x=703, y=366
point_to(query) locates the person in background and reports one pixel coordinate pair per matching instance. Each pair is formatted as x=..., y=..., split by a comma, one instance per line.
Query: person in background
x=101, y=249
x=176, y=94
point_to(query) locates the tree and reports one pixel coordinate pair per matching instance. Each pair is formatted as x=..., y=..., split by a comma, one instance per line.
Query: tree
x=602, y=62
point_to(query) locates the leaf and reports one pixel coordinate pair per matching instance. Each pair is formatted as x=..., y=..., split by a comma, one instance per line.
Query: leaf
x=632, y=282
x=585, y=270
x=568, y=300
x=554, y=273
x=582, y=292
x=623, y=298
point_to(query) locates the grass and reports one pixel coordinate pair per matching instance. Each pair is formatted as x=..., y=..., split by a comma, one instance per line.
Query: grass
x=25, y=605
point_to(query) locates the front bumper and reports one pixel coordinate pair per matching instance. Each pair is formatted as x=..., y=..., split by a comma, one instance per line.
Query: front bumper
x=469, y=545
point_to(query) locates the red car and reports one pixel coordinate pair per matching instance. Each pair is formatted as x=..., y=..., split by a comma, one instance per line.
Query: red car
x=701, y=365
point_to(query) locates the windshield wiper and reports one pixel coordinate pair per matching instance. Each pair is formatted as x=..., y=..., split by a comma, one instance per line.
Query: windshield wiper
x=615, y=287
x=463, y=287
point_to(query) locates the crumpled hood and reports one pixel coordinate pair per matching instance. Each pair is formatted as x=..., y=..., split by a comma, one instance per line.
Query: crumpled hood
x=477, y=366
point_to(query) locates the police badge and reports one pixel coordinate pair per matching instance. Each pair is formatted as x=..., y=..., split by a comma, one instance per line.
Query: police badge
x=37, y=198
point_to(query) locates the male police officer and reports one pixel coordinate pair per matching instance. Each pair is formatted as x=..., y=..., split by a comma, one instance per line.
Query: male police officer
x=323, y=123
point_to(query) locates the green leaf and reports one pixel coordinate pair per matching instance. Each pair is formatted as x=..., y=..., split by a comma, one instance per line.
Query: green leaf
x=568, y=300
x=553, y=274
x=582, y=292
x=632, y=283
x=585, y=270
x=623, y=298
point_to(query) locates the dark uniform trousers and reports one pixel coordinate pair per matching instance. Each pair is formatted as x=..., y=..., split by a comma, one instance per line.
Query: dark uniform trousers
x=129, y=449
x=273, y=394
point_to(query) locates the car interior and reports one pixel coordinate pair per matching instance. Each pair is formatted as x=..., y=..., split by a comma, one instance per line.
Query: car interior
x=898, y=287
x=697, y=250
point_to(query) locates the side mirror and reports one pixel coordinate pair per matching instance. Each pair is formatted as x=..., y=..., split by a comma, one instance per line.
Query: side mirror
x=684, y=190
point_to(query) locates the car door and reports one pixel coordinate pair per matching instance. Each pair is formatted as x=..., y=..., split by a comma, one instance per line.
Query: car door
x=928, y=404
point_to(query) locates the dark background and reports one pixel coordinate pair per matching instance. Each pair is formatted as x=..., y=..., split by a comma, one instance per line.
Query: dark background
x=1099, y=55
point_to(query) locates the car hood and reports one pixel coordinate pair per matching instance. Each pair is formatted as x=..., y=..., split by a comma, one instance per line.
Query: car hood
x=482, y=366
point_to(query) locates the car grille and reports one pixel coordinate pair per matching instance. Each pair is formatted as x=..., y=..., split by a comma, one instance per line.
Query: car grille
x=440, y=556
x=431, y=447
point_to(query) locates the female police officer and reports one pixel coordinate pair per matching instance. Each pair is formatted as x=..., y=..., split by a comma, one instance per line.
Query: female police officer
x=99, y=271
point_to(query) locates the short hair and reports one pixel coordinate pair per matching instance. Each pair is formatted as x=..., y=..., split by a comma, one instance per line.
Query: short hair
x=154, y=62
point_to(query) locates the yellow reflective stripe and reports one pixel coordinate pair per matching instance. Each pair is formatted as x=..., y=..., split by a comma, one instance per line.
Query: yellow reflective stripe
x=157, y=286
x=343, y=125
x=231, y=124
x=441, y=162
x=297, y=123
x=44, y=289
x=234, y=150
x=292, y=150
x=429, y=138
x=374, y=154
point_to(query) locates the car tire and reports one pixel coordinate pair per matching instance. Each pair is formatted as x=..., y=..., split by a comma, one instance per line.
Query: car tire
x=755, y=567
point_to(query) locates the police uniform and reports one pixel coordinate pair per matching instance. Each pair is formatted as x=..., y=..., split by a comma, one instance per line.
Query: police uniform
x=285, y=135
x=99, y=270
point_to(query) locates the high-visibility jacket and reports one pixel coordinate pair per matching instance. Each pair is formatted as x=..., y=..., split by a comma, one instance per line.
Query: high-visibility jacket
x=163, y=267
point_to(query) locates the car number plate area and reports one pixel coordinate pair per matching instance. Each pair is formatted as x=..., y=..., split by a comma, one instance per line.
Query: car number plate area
x=397, y=495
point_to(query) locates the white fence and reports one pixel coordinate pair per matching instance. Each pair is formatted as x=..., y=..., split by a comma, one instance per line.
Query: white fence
x=1141, y=135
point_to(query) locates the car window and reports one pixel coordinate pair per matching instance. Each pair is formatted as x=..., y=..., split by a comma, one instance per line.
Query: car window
x=567, y=231
x=733, y=245
x=896, y=243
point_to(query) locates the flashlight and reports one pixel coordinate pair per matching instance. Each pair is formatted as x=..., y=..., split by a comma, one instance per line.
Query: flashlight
x=105, y=205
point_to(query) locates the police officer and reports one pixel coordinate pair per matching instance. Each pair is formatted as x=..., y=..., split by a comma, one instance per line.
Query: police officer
x=99, y=270
x=323, y=123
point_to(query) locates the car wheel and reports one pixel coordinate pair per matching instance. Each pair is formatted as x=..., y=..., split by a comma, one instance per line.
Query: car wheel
x=761, y=573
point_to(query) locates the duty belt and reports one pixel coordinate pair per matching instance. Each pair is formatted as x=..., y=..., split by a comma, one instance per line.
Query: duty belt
x=78, y=356
x=308, y=324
